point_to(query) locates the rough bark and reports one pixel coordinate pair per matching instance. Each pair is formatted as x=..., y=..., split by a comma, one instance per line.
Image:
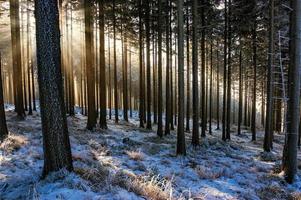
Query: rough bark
x=57, y=151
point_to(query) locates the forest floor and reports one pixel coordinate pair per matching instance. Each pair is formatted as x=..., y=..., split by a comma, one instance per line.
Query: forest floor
x=126, y=162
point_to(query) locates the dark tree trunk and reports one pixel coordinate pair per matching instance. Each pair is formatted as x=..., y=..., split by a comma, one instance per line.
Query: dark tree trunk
x=203, y=57
x=211, y=88
x=102, y=67
x=141, y=85
x=253, y=123
x=148, y=66
x=229, y=76
x=240, y=92
x=115, y=65
x=217, y=88
x=3, y=127
x=160, y=126
x=195, y=82
x=89, y=65
x=181, y=147
x=29, y=60
x=57, y=151
x=168, y=117
x=290, y=161
x=187, y=71
x=225, y=72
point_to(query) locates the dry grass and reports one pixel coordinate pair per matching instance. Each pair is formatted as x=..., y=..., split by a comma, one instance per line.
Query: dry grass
x=273, y=192
x=96, y=176
x=206, y=173
x=152, y=188
x=13, y=143
x=135, y=155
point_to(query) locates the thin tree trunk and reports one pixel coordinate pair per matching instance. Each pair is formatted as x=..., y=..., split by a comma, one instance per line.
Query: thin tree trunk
x=3, y=127
x=168, y=117
x=253, y=124
x=115, y=65
x=240, y=92
x=148, y=66
x=181, y=147
x=102, y=68
x=195, y=82
x=160, y=123
x=187, y=72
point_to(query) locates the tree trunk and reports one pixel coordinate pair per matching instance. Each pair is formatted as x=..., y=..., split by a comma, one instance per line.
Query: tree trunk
x=141, y=85
x=3, y=127
x=204, y=120
x=16, y=55
x=195, y=82
x=115, y=65
x=187, y=71
x=290, y=161
x=57, y=151
x=240, y=92
x=253, y=124
x=168, y=117
x=102, y=67
x=217, y=88
x=225, y=73
x=181, y=147
x=210, y=92
x=148, y=66
x=160, y=126
x=89, y=65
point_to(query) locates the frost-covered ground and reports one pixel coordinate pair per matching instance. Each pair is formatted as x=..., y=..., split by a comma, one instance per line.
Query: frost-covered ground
x=126, y=162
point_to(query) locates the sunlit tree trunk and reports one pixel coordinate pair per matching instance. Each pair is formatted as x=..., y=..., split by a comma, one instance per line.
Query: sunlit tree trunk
x=240, y=92
x=115, y=64
x=16, y=55
x=3, y=127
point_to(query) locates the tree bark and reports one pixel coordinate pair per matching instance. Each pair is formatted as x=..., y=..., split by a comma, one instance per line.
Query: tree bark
x=181, y=147
x=57, y=151
x=290, y=161
x=3, y=127
x=195, y=82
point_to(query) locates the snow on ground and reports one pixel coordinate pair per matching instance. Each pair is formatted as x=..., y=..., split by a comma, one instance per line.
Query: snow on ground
x=126, y=162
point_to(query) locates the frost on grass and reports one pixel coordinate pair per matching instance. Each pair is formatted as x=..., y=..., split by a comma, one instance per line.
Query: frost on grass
x=128, y=163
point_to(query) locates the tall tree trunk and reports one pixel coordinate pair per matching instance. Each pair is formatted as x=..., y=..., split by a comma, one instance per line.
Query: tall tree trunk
x=270, y=79
x=181, y=147
x=3, y=127
x=195, y=82
x=253, y=123
x=160, y=123
x=57, y=151
x=187, y=71
x=217, y=88
x=115, y=64
x=148, y=65
x=203, y=57
x=225, y=72
x=290, y=161
x=102, y=67
x=211, y=88
x=141, y=85
x=89, y=65
x=28, y=59
x=16, y=55
x=168, y=117
x=240, y=92
x=229, y=76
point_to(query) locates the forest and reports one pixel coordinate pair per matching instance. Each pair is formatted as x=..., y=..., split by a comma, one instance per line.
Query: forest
x=150, y=99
